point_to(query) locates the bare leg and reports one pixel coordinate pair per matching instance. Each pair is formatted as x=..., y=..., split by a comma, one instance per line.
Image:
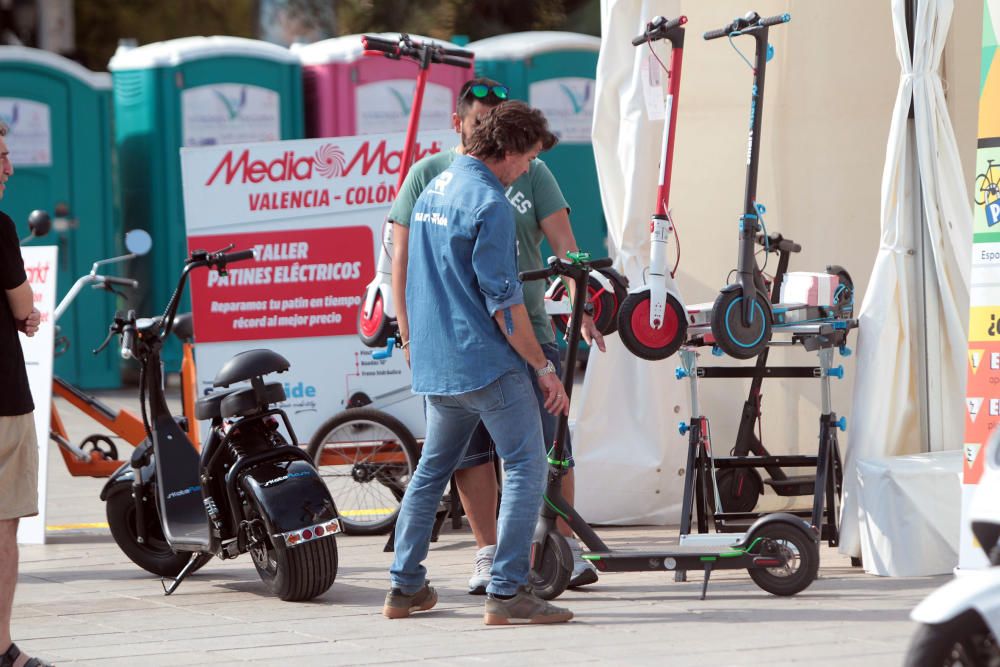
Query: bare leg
x=8, y=580
x=569, y=493
x=477, y=487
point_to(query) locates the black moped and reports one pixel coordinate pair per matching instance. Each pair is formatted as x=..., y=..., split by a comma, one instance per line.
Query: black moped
x=172, y=508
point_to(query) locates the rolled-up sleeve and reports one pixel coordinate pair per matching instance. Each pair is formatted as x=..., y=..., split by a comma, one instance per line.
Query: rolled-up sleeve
x=494, y=258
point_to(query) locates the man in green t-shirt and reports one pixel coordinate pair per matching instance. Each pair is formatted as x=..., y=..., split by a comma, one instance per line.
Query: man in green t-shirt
x=540, y=212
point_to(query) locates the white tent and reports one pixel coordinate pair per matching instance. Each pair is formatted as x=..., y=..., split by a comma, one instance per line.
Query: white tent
x=915, y=310
x=631, y=464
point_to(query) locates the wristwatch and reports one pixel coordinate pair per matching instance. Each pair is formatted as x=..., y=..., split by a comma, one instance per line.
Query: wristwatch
x=548, y=368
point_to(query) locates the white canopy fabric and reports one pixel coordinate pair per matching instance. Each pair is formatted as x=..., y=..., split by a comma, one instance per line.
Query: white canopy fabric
x=885, y=418
x=627, y=449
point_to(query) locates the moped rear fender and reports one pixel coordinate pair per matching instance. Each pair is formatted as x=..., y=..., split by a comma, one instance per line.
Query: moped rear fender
x=290, y=493
x=122, y=478
x=977, y=589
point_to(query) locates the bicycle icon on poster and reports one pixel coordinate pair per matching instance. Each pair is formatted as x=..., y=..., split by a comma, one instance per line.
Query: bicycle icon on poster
x=987, y=192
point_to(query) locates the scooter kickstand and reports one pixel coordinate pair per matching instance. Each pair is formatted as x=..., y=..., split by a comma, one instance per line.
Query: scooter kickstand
x=704, y=584
x=196, y=561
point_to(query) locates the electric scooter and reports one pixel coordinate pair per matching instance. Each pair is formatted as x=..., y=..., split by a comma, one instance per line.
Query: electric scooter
x=741, y=315
x=960, y=622
x=377, y=316
x=652, y=321
x=171, y=508
x=780, y=551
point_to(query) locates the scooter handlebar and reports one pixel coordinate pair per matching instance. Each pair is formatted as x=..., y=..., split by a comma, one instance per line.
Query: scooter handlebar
x=602, y=263
x=750, y=22
x=716, y=34
x=238, y=256
x=128, y=335
x=372, y=43
x=775, y=20
x=455, y=61
x=540, y=274
x=657, y=29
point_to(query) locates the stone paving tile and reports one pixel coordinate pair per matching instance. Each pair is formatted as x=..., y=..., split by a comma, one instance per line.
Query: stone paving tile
x=80, y=601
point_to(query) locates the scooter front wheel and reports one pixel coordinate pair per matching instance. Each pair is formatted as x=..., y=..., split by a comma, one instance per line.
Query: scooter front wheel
x=739, y=339
x=640, y=337
x=964, y=640
x=375, y=329
x=801, y=554
x=552, y=566
x=154, y=555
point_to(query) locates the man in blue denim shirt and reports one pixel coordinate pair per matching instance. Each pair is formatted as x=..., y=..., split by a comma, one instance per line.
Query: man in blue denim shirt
x=470, y=340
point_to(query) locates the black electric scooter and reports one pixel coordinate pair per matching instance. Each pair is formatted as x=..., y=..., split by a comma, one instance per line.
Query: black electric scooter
x=780, y=551
x=171, y=508
x=742, y=316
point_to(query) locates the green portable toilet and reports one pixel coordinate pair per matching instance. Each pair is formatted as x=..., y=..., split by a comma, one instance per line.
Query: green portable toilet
x=193, y=91
x=59, y=119
x=555, y=72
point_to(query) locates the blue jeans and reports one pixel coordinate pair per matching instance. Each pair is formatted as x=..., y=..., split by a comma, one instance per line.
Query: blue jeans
x=481, y=446
x=508, y=408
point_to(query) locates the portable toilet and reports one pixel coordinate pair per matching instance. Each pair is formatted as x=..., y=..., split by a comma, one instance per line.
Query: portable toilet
x=348, y=93
x=193, y=91
x=58, y=115
x=555, y=72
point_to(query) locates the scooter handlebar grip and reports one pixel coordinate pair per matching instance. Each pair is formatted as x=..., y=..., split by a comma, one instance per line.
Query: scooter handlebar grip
x=460, y=53
x=128, y=336
x=455, y=61
x=238, y=256
x=540, y=274
x=775, y=20
x=124, y=282
x=716, y=34
x=602, y=263
x=371, y=43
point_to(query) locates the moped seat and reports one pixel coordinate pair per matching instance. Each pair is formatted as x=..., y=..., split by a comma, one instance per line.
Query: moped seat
x=208, y=407
x=244, y=402
x=184, y=327
x=250, y=364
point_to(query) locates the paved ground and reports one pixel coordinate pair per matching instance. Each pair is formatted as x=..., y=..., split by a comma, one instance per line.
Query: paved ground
x=80, y=601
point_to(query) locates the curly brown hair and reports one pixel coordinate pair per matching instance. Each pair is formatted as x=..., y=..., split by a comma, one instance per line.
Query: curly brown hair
x=509, y=128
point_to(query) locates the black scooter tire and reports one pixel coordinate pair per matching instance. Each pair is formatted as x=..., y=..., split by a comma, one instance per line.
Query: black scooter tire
x=641, y=339
x=553, y=567
x=798, y=578
x=937, y=644
x=155, y=556
x=605, y=307
x=739, y=489
x=298, y=573
x=619, y=285
x=374, y=331
x=731, y=335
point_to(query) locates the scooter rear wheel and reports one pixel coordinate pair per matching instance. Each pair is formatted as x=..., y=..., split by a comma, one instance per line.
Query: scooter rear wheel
x=739, y=489
x=643, y=340
x=802, y=566
x=154, y=555
x=553, y=567
x=738, y=339
x=296, y=573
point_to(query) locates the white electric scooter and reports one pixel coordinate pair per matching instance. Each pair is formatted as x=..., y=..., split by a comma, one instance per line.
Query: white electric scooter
x=960, y=622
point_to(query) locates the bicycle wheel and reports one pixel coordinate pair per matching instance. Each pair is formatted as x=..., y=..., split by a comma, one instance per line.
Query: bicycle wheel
x=983, y=188
x=366, y=458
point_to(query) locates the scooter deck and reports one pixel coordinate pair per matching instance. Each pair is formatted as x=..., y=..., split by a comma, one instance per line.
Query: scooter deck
x=675, y=558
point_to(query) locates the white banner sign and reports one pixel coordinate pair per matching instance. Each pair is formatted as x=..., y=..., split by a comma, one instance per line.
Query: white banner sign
x=230, y=113
x=40, y=265
x=313, y=209
x=29, y=128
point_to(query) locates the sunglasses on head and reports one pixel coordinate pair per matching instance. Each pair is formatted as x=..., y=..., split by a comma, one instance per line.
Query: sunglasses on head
x=481, y=90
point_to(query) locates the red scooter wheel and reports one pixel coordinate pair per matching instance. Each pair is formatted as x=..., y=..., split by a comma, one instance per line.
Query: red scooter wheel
x=640, y=337
x=374, y=330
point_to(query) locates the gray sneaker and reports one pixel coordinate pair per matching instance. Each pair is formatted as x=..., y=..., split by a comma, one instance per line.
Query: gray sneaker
x=400, y=605
x=525, y=607
x=481, y=570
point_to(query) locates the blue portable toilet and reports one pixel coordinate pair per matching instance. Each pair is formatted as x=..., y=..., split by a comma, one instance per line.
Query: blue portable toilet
x=58, y=115
x=556, y=73
x=193, y=91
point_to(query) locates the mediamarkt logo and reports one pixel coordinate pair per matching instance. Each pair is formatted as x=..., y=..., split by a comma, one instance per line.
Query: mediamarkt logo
x=328, y=161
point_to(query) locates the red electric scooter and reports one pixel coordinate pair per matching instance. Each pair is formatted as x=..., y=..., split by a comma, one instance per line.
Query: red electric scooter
x=377, y=316
x=652, y=321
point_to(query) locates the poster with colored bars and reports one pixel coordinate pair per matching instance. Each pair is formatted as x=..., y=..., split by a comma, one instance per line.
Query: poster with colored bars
x=983, y=389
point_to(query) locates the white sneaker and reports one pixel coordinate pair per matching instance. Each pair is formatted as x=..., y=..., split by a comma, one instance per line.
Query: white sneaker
x=584, y=571
x=481, y=570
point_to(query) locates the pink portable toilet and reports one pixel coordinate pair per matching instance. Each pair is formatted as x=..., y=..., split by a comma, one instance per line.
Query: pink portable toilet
x=348, y=93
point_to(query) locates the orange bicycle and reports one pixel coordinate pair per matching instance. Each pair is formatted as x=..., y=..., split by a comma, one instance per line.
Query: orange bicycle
x=97, y=455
